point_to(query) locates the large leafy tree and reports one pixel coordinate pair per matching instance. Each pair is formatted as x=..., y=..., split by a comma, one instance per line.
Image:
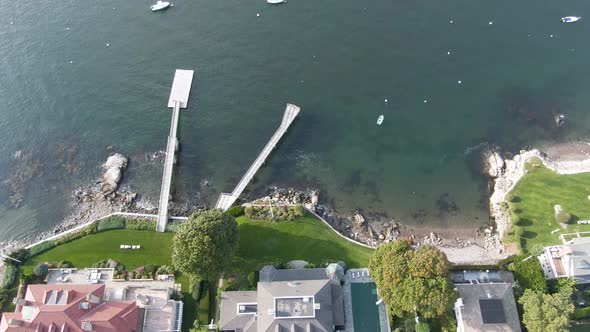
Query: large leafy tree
x=545, y=312
x=203, y=246
x=411, y=280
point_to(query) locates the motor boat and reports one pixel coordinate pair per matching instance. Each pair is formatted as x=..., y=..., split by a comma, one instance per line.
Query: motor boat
x=570, y=19
x=160, y=5
x=380, y=119
x=275, y=2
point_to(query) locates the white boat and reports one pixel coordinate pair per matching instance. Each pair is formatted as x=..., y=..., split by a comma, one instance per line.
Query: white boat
x=380, y=119
x=275, y=2
x=570, y=19
x=160, y=5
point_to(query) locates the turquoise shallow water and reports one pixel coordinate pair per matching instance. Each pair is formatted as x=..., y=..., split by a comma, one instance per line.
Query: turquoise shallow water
x=66, y=97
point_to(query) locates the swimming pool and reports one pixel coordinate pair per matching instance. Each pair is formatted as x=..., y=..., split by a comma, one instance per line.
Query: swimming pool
x=364, y=311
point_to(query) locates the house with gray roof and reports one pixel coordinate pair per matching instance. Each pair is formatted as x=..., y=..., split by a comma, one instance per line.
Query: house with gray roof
x=306, y=300
x=571, y=260
x=486, y=302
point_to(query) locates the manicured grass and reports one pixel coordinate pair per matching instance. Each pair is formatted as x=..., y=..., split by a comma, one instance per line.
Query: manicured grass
x=533, y=201
x=155, y=249
x=307, y=238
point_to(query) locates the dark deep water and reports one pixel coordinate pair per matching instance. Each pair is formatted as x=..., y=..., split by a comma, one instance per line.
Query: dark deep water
x=65, y=97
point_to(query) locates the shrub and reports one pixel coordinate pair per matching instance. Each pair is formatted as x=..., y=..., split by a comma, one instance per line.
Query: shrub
x=150, y=269
x=42, y=247
x=4, y=297
x=10, y=276
x=249, y=212
x=422, y=327
x=64, y=264
x=529, y=274
x=536, y=250
x=26, y=278
x=165, y=269
x=236, y=211
x=196, y=287
x=111, y=223
x=41, y=270
x=581, y=313
x=140, y=224
x=298, y=211
x=253, y=278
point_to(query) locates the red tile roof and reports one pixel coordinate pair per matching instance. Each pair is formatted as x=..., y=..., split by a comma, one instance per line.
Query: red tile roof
x=67, y=315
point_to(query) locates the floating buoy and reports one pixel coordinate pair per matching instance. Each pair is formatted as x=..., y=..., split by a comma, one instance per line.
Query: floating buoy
x=385, y=100
x=108, y=44
x=490, y=22
x=11, y=22
x=449, y=52
x=551, y=36
x=257, y=14
x=459, y=82
x=425, y=101
x=71, y=61
x=451, y=21
x=67, y=29
x=572, y=49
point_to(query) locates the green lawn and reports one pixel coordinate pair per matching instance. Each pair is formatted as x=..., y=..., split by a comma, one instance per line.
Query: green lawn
x=307, y=238
x=533, y=200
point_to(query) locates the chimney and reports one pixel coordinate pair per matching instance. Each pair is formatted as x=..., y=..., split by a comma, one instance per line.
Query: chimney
x=86, y=326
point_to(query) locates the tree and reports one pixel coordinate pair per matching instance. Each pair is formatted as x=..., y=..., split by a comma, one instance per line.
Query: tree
x=545, y=312
x=204, y=246
x=529, y=274
x=41, y=270
x=422, y=327
x=428, y=262
x=411, y=280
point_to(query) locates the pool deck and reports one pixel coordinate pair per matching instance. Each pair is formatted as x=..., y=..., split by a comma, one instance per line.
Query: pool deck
x=361, y=276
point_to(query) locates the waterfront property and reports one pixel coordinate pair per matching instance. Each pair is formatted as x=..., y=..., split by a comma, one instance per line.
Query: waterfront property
x=71, y=308
x=571, y=260
x=317, y=299
x=486, y=302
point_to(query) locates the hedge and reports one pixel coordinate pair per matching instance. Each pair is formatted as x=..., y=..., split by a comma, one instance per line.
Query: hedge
x=139, y=224
x=42, y=247
x=10, y=276
x=581, y=313
x=235, y=211
x=111, y=223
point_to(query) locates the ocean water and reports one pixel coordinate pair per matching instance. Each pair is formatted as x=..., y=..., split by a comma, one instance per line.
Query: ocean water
x=65, y=97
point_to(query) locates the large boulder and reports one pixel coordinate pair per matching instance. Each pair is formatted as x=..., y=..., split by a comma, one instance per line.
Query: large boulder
x=493, y=163
x=114, y=167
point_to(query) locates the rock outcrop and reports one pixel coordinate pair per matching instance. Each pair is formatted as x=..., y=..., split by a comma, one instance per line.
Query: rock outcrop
x=114, y=167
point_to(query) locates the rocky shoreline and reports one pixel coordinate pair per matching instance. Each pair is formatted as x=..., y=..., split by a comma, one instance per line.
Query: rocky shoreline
x=474, y=245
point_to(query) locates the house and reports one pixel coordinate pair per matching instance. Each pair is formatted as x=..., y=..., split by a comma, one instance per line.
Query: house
x=92, y=300
x=287, y=300
x=571, y=260
x=486, y=302
x=70, y=308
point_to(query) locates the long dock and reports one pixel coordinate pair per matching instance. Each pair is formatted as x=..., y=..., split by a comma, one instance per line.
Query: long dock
x=181, y=87
x=226, y=200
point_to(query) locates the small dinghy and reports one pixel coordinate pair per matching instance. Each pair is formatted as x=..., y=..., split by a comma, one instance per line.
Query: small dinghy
x=570, y=19
x=380, y=119
x=275, y=2
x=160, y=5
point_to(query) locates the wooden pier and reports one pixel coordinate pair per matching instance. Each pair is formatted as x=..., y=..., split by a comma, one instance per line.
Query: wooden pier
x=226, y=200
x=181, y=87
